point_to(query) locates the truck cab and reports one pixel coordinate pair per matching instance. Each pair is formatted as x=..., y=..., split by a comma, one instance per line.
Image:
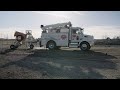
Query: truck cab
x=79, y=39
x=64, y=35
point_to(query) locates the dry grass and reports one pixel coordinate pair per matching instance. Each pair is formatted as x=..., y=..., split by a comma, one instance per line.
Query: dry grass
x=67, y=63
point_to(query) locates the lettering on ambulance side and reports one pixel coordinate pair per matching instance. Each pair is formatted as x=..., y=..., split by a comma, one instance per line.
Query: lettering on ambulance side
x=63, y=37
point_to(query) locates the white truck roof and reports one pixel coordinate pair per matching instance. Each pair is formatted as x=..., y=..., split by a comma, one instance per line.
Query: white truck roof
x=77, y=28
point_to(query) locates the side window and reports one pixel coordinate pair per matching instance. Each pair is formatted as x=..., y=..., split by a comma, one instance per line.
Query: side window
x=74, y=31
x=78, y=32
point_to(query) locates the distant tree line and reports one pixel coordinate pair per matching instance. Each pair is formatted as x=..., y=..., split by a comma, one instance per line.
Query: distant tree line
x=108, y=41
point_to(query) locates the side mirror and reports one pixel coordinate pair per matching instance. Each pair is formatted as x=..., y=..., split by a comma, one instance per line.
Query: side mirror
x=82, y=28
x=41, y=26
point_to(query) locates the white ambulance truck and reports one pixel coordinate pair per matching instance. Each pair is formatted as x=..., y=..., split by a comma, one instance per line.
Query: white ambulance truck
x=64, y=35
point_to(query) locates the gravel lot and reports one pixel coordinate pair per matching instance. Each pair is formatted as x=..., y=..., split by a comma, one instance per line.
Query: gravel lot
x=100, y=62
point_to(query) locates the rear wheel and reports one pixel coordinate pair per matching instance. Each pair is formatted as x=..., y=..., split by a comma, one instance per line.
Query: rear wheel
x=84, y=46
x=51, y=45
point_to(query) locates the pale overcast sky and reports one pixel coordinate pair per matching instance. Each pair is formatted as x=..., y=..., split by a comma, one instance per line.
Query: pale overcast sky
x=96, y=23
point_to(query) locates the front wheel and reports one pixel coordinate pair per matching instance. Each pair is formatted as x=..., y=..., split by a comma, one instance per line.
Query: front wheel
x=84, y=46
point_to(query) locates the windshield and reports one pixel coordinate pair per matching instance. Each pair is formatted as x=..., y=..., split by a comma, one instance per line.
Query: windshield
x=80, y=31
x=77, y=31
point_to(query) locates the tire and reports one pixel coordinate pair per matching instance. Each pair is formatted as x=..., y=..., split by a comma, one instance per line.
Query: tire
x=12, y=47
x=31, y=46
x=85, y=46
x=19, y=39
x=51, y=45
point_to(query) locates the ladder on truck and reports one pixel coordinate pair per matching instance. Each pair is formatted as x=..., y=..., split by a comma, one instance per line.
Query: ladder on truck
x=55, y=26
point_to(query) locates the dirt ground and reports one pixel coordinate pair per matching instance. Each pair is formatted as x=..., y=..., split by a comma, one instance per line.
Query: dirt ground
x=100, y=62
